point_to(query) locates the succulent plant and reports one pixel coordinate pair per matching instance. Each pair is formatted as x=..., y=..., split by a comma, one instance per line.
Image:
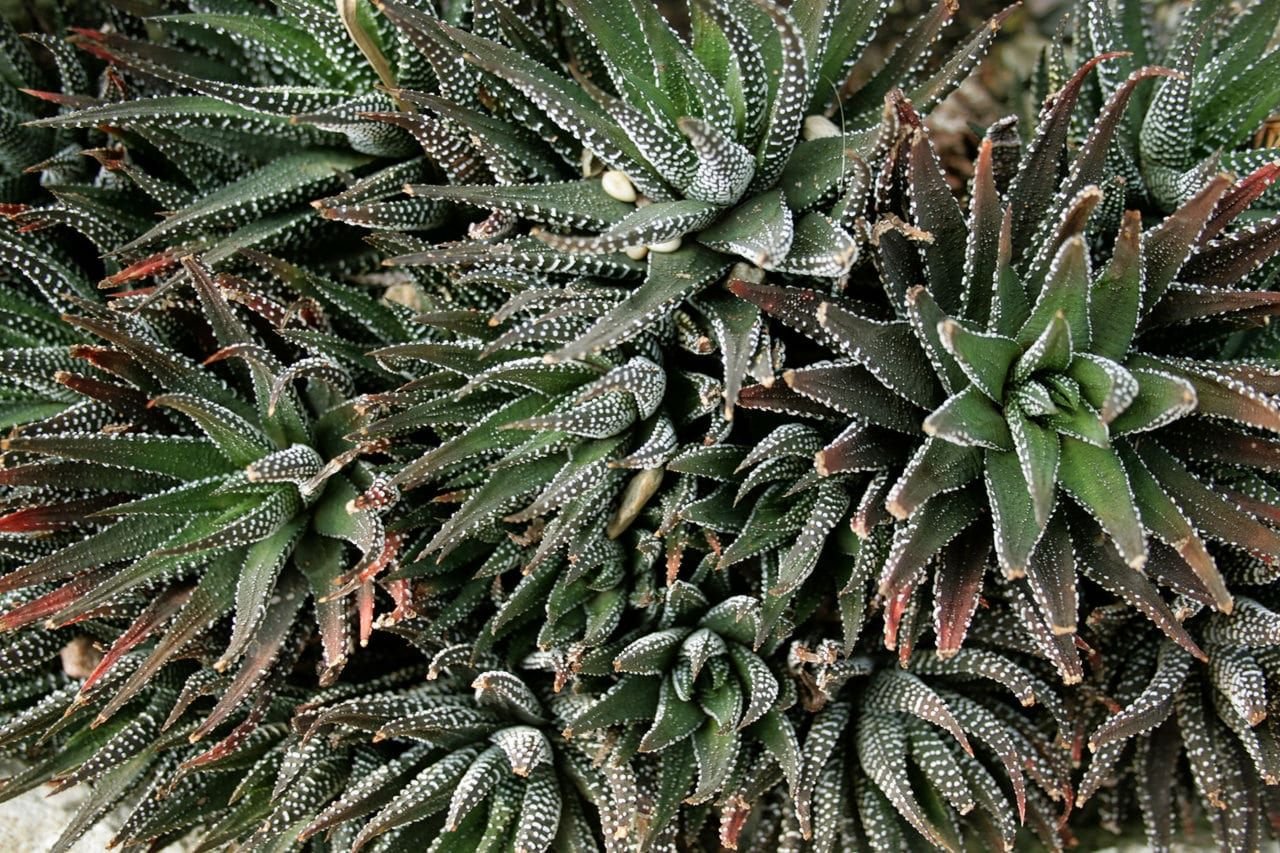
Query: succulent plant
x=1163, y=725
x=688, y=166
x=1188, y=125
x=1037, y=392
x=540, y=426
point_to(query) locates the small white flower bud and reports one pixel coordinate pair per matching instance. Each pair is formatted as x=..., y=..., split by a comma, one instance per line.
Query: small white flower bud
x=665, y=248
x=819, y=127
x=637, y=253
x=618, y=185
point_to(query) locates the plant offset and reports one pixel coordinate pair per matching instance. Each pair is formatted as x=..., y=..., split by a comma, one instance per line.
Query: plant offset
x=532, y=427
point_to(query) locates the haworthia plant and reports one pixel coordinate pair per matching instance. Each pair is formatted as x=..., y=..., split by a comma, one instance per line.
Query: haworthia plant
x=558, y=425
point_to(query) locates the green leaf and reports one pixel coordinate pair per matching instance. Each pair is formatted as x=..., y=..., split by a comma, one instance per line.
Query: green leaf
x=1161, y=399
x=984, y=357
x=573, y=204
x=172, y=456
x=566, y=103
x=1051, y=574
x=238, y=440
x=1167, y=520
x=1013, y=514
x=937, y=467
x=1096, y=479
x=256, y=585
x=1037, y=449
x=969, y=418
x=1051, y=351
x=925, y=533
x=759, y=229
x=890, y=351
x=634, y=697
x=853, y=390
x=1167, y=246
x=1210, y=513
x=291, y=179
x=1066, y=295
x=672, y=278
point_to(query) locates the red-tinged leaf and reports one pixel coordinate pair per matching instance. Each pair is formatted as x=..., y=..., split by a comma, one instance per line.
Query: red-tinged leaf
x=1166, y=247
x=1099, y=561
x=853, y=390
x=171, y=370
x=1219, y=393
x=1168, y=569
x=795, y=307
x=889, y=350
x=1089, y=163
x=208, y=602
x=937, y=467
x=149, y=266
x=1187, y=304
x=50, y=603
x=779, y=397
x=111, y=361
x=1009, y=305
x=156, y=614
x=871, y=510
x=1051, y=575
x=957, y=586
x=860, y=447
x=924, y=534
x=1214, y=442
x=981, y=253
x=1117, y=295
x=1210, y=513
x=263, y=651
x=42, y=519
x=127, y=401
x=935, y=210
x=1237, y=199
x=1227, y=260
x=1096, y=479
x=1038, y=178
x=226, y=748
x=1070, y=224
x=1167, y=519
x=123, y=540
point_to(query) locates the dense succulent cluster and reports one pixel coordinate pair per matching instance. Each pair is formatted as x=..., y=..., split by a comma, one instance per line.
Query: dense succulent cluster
x=537, y=426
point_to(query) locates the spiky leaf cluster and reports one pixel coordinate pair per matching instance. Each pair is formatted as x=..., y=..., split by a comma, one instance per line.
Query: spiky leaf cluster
x=1215, y=110
x=724, y=486
x=1051, y=404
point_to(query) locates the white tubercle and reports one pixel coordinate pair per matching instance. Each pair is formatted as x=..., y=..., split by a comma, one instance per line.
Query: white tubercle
x=666, y=248
x=618, y=185
x=819, y=127
x=637, y=253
